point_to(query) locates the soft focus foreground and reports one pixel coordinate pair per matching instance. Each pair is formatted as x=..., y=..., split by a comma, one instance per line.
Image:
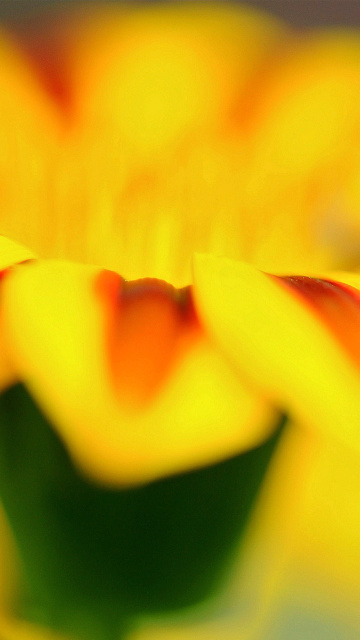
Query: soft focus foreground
x=143, y=397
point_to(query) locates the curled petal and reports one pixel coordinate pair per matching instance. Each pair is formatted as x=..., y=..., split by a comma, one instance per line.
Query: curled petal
x=297, y=353
x=337, y=304
x=172, y=406
x=12, y=253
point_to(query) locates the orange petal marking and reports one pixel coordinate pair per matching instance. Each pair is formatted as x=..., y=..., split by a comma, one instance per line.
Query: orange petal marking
x=149, y=325
x=337, y=304
x=8, y=373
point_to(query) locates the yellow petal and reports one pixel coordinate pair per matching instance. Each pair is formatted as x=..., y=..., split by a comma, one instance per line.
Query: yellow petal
x=28, y=129
x=303, y=557
x=156, y=153
x=56, y=328
x=281, y=344
x=300, y=158
x=18, y=630
x=158, y=74
x=12, y=253
x=318, y=74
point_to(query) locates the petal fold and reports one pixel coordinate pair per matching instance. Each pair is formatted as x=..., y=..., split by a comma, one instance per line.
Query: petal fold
x=56, y=327
x=281, y=343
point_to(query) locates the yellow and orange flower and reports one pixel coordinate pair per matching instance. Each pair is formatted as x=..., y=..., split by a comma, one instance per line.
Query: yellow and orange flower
x=152, y=142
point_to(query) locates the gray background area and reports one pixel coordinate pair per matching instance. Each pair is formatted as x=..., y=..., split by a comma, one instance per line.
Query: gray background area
x=300, y=13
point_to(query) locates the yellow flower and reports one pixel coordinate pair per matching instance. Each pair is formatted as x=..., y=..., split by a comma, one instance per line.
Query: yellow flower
x=172, y=131
x=113, y=109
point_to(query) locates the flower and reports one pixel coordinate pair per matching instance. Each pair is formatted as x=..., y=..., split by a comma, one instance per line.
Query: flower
x=149, y=138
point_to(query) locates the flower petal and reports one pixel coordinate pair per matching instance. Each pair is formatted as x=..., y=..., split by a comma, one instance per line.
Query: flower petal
x=300, y=161
x=157, y=75
x=18, y=630
x=157, y=152
x=12, y=253
x=57, y=330
x=282, y=344
x=318, y=73
x=28, y=129
x=303, y=556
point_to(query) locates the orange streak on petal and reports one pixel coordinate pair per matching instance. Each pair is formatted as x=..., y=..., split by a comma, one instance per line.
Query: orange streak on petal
x=150, y=325
x=8, y=373
x=337, y=304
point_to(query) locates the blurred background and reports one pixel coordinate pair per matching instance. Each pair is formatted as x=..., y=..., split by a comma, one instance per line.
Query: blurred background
x=300, y=13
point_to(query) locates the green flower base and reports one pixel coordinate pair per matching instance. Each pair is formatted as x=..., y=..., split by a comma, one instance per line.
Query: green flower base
x=95, y=559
